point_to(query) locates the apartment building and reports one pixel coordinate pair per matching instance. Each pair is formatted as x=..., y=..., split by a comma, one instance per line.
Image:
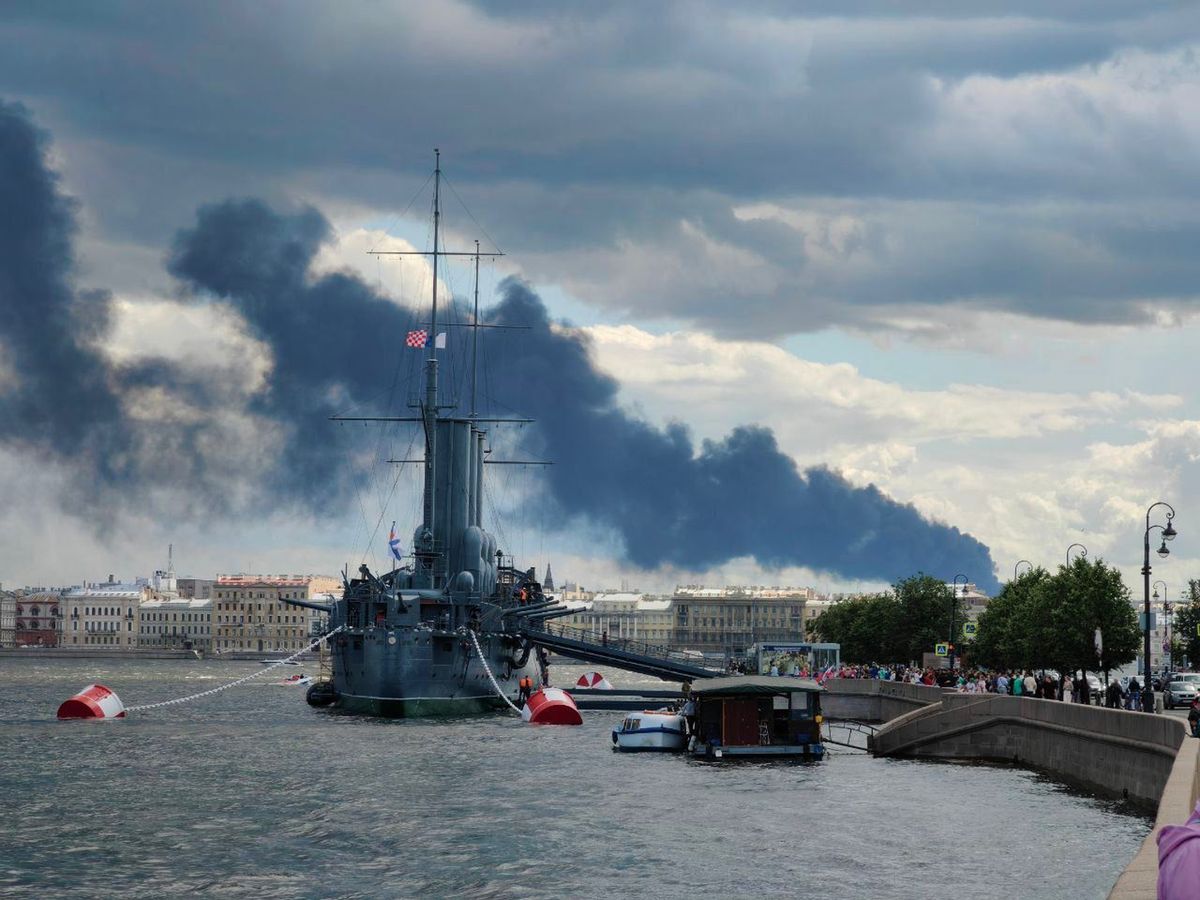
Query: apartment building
x=248, y=612
x=731, y=619
x=103, y=614
x=175, y=623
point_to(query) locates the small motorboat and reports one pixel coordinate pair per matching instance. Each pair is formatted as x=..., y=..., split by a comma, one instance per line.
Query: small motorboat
x=279, y=662
x=297, y=680
x=652, y=729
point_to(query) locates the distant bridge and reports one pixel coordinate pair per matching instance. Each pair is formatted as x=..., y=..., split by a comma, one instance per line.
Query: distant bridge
x=655, y=660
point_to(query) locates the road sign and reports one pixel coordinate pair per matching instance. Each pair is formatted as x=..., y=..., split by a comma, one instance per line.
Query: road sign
x=941, y=649
x=969, y=629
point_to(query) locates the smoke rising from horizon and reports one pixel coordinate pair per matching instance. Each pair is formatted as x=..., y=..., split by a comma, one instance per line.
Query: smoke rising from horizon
x=333, y=342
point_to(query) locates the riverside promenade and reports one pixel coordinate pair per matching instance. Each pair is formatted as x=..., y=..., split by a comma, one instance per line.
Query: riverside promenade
x=1147, y=759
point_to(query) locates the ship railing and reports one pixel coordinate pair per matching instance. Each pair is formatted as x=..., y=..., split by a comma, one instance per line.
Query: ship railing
x=631, y=645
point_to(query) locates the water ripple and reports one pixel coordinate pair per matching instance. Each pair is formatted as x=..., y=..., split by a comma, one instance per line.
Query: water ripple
x=252, y=794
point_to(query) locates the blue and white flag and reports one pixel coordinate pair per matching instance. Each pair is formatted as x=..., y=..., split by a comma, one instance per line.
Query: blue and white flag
x=394, y=542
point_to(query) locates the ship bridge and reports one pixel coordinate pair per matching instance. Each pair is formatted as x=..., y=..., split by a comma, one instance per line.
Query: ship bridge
x=635, y=656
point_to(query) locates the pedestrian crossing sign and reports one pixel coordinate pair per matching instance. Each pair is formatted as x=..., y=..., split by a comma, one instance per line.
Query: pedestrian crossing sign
x=969, y=631
x=941, y=649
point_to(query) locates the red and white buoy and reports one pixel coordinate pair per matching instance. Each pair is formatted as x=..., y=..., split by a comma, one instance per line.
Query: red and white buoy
x=593, y=680
x=551, y=706
x=94, y=702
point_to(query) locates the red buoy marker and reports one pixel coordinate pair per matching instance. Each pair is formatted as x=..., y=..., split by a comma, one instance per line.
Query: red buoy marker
x=94, y=702
x=593, y=680
x=551, y=706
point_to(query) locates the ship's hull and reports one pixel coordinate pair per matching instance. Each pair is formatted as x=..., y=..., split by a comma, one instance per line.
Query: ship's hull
x=416, y=672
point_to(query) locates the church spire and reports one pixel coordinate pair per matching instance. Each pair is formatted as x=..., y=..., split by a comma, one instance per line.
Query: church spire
x=548, y=581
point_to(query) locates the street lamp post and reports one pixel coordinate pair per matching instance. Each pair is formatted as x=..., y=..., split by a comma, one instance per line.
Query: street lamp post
x=1018, y=565
x=1082, y=551
x=1166, y=608
x=953, y=607
x=1168, y=534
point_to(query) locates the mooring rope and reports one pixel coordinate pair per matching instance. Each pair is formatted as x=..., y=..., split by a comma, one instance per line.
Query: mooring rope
x=488, y=669
x=224, y=687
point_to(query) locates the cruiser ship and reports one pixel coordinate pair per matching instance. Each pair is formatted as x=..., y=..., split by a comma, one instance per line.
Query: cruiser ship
x=442, y=633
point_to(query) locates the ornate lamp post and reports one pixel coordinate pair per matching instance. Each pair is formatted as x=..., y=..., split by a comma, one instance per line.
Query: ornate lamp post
x=1018, y=565
x=1082, y=551
x=1168, y=534
x=1166, y=608
x=953, y=607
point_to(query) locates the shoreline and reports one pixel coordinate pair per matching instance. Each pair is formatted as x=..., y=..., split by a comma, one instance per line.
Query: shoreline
x=187, y=655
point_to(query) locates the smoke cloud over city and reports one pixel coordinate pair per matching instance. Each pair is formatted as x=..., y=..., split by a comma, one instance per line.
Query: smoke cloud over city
x=333, y=343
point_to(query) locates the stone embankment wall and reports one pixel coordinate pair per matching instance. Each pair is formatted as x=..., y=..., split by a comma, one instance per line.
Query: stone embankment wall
x=1118, y=753
x=870, y=700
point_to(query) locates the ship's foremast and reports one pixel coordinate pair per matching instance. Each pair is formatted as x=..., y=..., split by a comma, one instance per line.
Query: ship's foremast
x=427, y=554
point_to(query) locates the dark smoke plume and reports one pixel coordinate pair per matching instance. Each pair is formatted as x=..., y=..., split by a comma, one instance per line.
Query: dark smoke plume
x=671, y=504
x=61, y=401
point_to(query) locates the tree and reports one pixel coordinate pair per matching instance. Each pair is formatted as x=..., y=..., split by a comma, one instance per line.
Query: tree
x=895, y=626
x=1072, y=604
x=864, y=626
x=927, y=608
x=1005, y=630
x=1187, y=620
x=1044, y=621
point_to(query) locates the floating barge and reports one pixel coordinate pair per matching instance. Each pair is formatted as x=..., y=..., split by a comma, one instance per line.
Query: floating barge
x=757, y=716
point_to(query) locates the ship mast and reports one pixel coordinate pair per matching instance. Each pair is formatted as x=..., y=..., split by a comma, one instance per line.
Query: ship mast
x=429, y=413
x=475, y=337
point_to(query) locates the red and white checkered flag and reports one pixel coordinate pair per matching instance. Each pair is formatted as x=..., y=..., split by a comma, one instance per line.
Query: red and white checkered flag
x=417, y=338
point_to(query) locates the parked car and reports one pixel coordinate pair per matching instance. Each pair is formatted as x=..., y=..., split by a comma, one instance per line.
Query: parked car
x=1180, y=693
x=1095, y=687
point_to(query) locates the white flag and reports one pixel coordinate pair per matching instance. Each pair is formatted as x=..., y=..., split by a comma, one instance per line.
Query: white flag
x=439, y=342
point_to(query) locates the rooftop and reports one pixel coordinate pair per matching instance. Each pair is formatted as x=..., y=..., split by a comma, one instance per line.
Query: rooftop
x=242, y=580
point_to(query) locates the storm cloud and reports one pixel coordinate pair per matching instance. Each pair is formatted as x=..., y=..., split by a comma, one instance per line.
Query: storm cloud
x=790, y=169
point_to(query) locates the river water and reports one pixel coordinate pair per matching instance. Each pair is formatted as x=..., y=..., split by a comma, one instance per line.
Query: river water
x=250, y=793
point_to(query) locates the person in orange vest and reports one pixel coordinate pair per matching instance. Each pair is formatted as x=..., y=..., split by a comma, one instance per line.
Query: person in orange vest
x=526, y=685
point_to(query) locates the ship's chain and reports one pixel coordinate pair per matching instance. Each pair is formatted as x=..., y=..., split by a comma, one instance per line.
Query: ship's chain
x=488, y=669
x=243, y=680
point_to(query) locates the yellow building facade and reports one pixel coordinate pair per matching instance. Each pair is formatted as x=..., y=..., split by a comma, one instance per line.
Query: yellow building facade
x=248, y=612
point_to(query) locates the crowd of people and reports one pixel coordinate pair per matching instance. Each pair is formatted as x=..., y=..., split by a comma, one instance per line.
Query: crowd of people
x=1039, y=685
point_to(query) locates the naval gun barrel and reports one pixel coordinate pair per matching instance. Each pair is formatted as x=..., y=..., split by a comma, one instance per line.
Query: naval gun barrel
x=319, y=607
x=544, y=610
x=529, y=608
x=555, y=613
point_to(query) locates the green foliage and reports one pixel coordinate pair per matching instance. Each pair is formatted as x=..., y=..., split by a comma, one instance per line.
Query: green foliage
x=895, y=626
x=1005, y=638
x=1042, y=620
x=1187, y=617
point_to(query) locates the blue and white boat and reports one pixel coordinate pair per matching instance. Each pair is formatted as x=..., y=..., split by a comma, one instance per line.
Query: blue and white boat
x=659, y=729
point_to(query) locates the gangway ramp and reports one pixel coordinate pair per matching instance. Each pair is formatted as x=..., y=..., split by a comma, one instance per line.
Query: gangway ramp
x=622, y=653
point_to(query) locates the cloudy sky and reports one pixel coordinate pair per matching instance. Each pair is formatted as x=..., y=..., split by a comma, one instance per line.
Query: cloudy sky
x=950, y=253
